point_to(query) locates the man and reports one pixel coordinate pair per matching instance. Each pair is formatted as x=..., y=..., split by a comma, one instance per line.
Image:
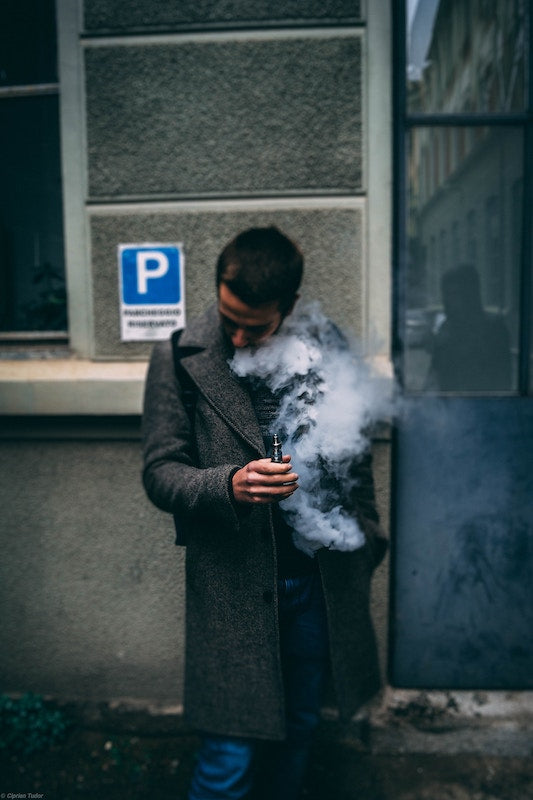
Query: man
x=264, y=621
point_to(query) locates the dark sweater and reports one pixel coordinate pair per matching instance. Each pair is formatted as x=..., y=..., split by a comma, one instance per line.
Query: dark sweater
x=291, y=561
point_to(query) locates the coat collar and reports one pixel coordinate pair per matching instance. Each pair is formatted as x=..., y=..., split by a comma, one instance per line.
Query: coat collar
x=207, y=365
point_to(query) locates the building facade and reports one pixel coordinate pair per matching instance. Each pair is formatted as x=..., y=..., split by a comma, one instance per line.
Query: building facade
x=162, y=123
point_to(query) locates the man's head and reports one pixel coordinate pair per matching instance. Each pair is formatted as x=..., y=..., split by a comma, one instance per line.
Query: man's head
x=258, y=276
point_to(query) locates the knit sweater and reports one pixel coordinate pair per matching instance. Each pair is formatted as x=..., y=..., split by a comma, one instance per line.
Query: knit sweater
x=291, y=561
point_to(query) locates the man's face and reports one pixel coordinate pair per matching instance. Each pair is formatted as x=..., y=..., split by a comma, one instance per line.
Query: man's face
x=246, y=325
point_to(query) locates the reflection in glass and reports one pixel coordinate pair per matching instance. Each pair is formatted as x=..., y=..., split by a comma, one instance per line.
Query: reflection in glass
x=467, y=55
x=464, y=249
x=470, y=351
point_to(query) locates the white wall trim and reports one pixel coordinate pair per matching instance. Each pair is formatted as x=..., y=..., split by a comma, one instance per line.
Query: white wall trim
x=221, y=205
x=233, y=35
x=71, y=386
x=74, y=174
x=378, y=143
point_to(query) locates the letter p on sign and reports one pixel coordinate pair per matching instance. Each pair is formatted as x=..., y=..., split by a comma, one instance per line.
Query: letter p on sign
x=150, y=274
x=146, y=270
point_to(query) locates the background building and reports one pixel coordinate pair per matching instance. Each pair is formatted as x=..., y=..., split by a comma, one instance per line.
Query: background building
x=158, y=122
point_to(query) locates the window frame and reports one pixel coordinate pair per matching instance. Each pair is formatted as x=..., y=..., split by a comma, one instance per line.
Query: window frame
x=37, y=379
x=77, y=339
x=69, y=17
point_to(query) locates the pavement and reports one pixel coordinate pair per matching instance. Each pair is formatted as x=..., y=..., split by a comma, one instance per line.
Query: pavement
x=107, y=763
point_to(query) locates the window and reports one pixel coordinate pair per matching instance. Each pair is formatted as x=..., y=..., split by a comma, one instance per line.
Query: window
x=464, y=153
x=32, y=271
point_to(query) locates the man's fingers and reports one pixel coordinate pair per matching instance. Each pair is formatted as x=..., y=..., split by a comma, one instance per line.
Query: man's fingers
x=264, y=481
x=263, y=494
x=271, y=480
x=266, y=466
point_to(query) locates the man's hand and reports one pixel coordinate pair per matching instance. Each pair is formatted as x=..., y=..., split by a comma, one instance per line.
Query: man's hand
x=263, y=481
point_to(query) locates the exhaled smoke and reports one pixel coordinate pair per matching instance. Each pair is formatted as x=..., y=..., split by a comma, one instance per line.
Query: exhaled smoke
x=328, y=400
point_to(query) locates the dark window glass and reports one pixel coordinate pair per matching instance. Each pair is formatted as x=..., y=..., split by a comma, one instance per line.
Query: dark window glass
x=27, y=42
x=463, y=274
x=467, y=55
x=31, y=235
x=32, y=282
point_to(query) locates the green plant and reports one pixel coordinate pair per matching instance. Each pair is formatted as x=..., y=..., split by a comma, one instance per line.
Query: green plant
x=28, y=725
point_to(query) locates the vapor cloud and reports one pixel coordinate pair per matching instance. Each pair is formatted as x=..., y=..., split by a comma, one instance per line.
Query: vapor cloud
x=329, y=399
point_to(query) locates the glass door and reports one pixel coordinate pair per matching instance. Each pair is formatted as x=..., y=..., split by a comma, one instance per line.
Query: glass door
x=462, y=602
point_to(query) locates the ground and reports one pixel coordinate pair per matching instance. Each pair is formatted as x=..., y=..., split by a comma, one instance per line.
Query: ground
x=106, y=765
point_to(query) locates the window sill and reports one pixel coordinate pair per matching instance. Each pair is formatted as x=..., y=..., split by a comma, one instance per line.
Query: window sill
x=71, y=386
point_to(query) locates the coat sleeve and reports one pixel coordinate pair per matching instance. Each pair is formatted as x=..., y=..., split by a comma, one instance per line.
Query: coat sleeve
x=171, y=479
x=362, y=502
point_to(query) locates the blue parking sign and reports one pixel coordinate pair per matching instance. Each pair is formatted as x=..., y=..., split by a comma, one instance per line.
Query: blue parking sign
x=152, y=296
x=151, y=276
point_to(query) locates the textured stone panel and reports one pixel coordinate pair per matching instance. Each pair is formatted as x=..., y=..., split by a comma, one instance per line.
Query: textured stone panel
x=142, y=15
x=331, y=239
x=91, y=584
x=262, y=116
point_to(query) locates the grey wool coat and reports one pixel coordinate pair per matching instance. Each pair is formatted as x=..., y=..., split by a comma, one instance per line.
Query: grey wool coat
x=233, y=681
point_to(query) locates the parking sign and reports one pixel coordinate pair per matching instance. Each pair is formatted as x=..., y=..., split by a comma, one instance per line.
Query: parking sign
x=152, y=302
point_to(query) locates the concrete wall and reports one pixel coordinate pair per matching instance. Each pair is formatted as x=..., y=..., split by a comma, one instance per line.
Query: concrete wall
x=192, y=137
x=332, y=239
x=181, y=122
x=233, y=115
x=91, y=583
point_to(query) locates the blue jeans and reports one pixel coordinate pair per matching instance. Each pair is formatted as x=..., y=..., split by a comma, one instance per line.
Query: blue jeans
x=224, y=765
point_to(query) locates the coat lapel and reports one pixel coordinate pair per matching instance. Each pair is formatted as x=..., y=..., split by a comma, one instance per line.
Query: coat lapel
x=208, y=367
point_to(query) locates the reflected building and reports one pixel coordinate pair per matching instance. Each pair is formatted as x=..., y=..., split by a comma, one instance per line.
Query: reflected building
x=465, y=181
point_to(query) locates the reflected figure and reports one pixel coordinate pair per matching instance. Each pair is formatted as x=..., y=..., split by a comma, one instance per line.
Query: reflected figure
x=471, y=351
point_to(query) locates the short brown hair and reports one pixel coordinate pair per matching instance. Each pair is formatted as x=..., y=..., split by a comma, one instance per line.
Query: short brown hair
x=262, y=265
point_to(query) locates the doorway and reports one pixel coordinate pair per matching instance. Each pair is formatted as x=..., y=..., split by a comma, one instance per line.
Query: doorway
x=462, y=553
